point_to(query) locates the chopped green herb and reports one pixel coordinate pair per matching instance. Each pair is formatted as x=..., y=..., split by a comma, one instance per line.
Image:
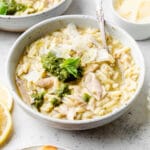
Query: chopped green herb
x=56, y=102
x=65, y=69
x=64, y=89
x=71, y=65
x=38, y=100
x=86, y=97
x=10, y=7
x=3, y=8
x=63, y=76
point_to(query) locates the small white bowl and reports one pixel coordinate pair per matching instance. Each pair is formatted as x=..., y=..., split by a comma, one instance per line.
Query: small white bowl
x=41, y=146
x=21, y=23
x=140, y=31
x=52, y=25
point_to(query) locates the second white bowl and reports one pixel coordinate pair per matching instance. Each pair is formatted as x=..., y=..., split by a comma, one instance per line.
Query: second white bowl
x=140, y=31
x=21, y=23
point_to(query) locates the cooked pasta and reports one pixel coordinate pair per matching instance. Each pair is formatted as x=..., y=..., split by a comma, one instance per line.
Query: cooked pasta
x=25, y=7
x=68, y=75
x=35, y=6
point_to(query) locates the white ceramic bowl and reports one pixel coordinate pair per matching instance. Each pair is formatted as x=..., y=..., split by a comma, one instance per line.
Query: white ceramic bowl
x=140, y=31
x=54, y=24
x=21, y=23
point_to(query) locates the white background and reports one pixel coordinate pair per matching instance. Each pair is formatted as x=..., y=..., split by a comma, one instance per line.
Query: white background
x=130, y=132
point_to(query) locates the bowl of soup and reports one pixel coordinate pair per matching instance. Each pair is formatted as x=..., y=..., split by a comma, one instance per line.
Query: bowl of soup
x=59, y=72
x=133, y=16
x=18, y=15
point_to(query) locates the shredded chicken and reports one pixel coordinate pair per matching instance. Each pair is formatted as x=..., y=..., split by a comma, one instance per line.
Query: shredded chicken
x=93, y=85
x=92, y=68
x=45, y=83
x=23, y=90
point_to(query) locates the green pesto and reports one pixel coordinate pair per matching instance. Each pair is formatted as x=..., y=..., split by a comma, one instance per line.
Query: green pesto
x=38, y=99
x=55, y=102
x=65, y=69
x=63, y=90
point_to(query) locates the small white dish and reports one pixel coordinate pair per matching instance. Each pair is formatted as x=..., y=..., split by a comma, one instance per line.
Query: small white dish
x=21, y=23
x=44, y=147
x=140, y=31
x=54, y=24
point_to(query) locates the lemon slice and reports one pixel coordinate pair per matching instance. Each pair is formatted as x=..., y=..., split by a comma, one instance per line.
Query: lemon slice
x=5, y=123
x=5, y=97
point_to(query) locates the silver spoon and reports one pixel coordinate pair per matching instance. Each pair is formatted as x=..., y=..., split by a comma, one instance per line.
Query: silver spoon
x=101, y=21
x=100, y=18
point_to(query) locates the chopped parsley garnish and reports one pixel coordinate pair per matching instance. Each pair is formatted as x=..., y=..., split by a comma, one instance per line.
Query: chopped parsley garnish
x=65, y=69
x=72, y=66
x=38, y=99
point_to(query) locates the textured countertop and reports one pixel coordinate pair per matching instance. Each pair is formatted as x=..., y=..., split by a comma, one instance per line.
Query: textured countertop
x=130, y=131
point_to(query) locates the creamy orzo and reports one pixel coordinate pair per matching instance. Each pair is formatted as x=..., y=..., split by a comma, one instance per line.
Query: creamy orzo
x=68, y=75
x=25, y=7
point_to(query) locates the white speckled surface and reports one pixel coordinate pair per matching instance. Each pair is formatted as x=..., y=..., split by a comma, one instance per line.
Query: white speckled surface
x=130, y=132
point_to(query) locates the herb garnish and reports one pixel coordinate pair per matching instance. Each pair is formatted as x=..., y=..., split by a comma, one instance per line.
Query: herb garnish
x=3, y=8
x=63, y=90
x=72, y=66
x=10, y=7
x=56, y=102
x=38, y=99
x=65, y=69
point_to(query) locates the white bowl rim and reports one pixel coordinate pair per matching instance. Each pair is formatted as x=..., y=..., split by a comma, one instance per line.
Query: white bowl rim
x=75, y=122
x=125, y=20
x=34, y=14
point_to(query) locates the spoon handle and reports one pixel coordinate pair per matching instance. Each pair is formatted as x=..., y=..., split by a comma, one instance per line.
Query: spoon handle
x=101, y=21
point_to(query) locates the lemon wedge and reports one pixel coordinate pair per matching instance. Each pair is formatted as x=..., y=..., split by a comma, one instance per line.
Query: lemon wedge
x=5, y=123
x=5, y=97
